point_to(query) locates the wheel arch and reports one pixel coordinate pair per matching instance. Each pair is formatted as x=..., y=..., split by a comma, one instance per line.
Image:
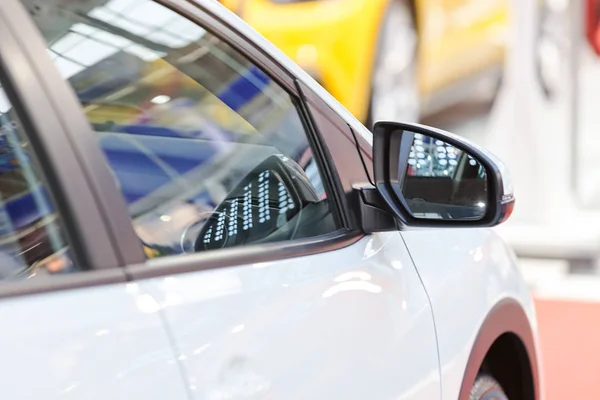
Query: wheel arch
x=505, y=348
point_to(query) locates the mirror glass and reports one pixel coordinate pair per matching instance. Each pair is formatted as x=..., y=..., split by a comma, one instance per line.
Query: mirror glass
x=442, y=181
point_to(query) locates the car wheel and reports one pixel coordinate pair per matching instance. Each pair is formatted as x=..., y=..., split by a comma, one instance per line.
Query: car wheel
x=394, y=86
x=487, y=388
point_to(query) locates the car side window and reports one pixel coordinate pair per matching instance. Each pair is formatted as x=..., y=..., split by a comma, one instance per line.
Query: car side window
x=208, y=151
x=32, y=241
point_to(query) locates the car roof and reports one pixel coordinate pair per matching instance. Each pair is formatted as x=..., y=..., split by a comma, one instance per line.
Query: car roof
x=235, y=22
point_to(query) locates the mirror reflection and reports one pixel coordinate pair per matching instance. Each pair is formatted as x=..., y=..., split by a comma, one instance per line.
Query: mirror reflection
x=442, y=181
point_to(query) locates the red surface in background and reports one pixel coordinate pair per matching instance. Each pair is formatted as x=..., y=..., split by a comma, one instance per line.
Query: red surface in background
x=593, y=24
x=570, y=342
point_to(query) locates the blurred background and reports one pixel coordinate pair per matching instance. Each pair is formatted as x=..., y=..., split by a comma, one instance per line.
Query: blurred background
x=521, y=77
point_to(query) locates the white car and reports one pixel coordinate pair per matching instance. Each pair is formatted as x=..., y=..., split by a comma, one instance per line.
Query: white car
x=188, y=215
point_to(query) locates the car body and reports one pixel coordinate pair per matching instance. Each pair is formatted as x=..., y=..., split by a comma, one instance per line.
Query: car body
x=354, y=304
x=460, y=44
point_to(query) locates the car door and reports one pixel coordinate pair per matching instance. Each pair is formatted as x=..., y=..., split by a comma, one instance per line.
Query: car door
x=334, y=315
x=73, y=327
x=238, y=183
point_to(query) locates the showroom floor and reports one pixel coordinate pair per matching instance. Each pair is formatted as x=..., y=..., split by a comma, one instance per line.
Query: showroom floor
x=568, y=309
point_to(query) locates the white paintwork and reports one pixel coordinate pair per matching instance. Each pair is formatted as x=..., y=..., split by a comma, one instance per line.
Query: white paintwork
x=350, y=324
x=465, y=272
x=106, y=342
x=355, y=323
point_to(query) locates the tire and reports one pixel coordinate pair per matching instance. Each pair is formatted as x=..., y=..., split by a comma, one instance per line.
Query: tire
x=487, y=388
x=394, y=94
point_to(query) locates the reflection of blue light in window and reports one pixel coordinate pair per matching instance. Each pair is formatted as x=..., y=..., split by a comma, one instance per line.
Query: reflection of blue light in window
x=443, y=162
x=411, y=161
x=472, y=162
x=452, y=162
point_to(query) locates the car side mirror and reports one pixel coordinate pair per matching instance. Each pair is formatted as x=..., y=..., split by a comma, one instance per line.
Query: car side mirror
x=431, y=178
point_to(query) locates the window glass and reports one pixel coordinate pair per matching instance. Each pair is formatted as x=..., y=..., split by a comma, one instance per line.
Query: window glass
x=430, y=157
x=31, y=238
x=208, y=151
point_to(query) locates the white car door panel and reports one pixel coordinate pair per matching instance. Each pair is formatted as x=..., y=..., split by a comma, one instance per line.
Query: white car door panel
x=354, y=323
x=105, y=342
x=476, y=273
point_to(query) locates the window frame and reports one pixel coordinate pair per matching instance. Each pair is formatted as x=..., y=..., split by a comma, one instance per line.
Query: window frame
x=90, y=162
x=84, y=226
x=95, y=172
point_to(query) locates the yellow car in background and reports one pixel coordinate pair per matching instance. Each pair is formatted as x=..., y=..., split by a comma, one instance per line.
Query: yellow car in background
x=389, y=59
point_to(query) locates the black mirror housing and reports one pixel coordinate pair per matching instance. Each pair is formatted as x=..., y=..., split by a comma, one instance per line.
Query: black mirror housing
x=431, y=178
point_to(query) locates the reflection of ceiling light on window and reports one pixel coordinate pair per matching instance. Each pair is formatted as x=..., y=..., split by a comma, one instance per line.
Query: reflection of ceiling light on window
x=481, y=204
x=165, y=218
x=161, y=99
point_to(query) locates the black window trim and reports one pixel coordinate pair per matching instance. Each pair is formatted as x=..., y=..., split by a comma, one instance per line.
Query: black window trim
x=340, y=165
x=243, y=255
